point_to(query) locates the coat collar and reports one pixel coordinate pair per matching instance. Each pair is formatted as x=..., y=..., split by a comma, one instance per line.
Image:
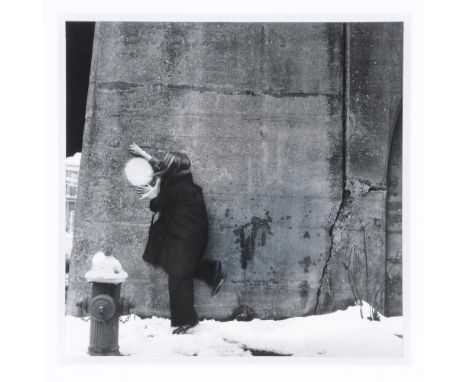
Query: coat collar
x=178, y=178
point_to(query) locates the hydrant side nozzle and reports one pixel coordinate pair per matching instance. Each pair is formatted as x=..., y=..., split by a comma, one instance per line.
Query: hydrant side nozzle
x=101, y=307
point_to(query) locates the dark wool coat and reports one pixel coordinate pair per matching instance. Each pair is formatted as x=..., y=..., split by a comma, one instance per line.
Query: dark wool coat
x=177, y=240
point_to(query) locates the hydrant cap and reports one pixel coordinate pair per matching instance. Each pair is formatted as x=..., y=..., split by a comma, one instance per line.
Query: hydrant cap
x=106, y=269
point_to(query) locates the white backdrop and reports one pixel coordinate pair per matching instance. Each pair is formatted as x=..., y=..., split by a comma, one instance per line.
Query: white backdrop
x=33, y=174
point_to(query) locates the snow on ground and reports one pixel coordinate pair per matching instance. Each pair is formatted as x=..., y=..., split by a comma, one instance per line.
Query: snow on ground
x=338, y=334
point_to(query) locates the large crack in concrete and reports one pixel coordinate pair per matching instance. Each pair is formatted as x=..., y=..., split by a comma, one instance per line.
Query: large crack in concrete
x=361, y=186
x=331, y=232
x=345, y=193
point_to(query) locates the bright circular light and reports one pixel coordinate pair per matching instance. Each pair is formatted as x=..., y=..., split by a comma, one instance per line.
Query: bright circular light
x=138, y=171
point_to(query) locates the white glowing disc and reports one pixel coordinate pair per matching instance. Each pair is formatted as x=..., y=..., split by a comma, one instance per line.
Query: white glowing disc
x=138, y=171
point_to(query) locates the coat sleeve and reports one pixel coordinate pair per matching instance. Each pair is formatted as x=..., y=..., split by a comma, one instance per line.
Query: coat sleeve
x=162, y=201
x=154, y=163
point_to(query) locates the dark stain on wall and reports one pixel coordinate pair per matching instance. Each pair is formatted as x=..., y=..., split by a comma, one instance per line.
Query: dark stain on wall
x=306, y=263
x=247, y=236
x=304, y=289
x=333, y=35
x=175, y=43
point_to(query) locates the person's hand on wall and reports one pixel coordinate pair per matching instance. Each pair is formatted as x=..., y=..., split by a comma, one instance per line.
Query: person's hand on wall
x=138, y=151
x=148, y=192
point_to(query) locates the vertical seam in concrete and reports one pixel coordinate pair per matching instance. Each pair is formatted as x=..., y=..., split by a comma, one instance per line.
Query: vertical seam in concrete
x=345, y=106
x=344, y=151
x=366, y=264
x=395, y=124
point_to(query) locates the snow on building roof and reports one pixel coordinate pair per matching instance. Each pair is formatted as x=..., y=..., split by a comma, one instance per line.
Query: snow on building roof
x=73, y=161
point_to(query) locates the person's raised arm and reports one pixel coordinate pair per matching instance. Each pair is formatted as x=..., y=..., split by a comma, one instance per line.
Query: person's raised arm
x=138, y=151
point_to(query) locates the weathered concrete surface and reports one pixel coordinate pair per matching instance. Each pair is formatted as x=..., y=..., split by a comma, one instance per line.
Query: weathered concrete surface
x=260, y=109
x=393, y=270
x=373, y=88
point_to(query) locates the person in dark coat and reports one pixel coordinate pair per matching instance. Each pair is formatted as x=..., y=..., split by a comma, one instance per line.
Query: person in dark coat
x=178, y=234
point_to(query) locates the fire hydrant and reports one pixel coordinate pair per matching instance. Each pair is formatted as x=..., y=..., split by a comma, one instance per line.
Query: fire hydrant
x=105, y=305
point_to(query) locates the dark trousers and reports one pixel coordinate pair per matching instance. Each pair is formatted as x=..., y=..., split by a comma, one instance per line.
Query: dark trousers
x=181, y=295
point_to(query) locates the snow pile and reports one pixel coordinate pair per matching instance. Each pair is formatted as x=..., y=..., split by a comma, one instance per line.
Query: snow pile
x=106, y=269
x=339, y=334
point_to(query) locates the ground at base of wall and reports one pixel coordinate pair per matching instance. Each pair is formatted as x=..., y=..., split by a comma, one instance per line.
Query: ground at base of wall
x=339, y=334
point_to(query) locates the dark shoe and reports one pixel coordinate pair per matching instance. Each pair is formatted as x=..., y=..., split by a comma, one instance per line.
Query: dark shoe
x=219, y=278
x=183, y=329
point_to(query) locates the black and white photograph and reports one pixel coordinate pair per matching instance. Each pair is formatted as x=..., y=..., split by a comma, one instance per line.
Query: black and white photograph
x=234, y=189
x=222, y=191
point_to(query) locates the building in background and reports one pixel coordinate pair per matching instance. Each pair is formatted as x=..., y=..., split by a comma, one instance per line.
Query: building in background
x=71, y=184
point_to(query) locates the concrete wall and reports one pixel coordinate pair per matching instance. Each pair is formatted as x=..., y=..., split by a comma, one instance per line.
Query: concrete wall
x=282, y=122
x=373, y=90
x=393, y=270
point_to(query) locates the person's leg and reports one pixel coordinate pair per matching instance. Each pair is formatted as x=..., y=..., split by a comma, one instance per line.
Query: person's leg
x=181, y=298
x=212, y=273
x=206, y=271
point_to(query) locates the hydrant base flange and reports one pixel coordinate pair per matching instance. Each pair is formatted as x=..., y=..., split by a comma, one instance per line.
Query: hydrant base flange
x=93, y=352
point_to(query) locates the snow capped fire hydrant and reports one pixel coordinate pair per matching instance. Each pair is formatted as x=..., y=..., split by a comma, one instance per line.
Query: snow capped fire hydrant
x=105, y=305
